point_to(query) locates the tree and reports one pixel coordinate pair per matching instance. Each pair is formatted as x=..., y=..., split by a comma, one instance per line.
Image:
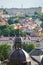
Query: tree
x=0, y=32
x=26, y=15
x=5, y=11
x=6, y=32
x=28, y=47
x=36, y=15
x=16, y=21
x=41, y=17
x=22, y=33
x=10, y=21
x=4, y=51
x=41, y=25
x=12, y=31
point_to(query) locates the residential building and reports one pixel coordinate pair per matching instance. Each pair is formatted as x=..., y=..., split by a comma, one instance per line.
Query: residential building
x=36, y=56
x=37, y=41
x=22, y=11
x=25, y=11
x=2, y=21
x=8, y=40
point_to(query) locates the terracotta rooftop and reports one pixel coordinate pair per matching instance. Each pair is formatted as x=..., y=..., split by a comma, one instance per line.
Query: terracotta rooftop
x=6, y=38
x=2, y=21
x=35, y=38
x=24, y=38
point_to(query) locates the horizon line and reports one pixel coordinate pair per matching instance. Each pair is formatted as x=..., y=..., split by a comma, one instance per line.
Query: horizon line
x=22, y=7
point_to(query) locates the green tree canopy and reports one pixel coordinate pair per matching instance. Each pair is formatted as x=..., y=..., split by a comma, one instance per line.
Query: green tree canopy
x=10, y=31
x=22, y=33
x=6, y=32
x=16, y=21
x=36, y=15
x=28, y=47
x=5, y=49
x=41, y=17
x=0, y=32
x=5, y=11
x=10, y=21
x=41, y=25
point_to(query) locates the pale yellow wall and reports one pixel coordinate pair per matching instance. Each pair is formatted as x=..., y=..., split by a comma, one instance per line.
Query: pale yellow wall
x=42, y=10
x=1, y=12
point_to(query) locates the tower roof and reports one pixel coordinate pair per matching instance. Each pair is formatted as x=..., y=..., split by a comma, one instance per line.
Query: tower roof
x=19, y=56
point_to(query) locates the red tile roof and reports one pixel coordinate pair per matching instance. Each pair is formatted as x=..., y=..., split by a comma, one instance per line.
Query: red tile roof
x=36, y=38
x=6, y=38
x=24, y=38
x=2, y=21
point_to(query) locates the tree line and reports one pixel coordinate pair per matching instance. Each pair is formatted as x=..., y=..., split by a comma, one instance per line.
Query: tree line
x=8, y=30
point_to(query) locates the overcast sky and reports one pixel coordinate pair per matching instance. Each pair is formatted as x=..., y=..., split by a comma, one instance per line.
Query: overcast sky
x=21, y=3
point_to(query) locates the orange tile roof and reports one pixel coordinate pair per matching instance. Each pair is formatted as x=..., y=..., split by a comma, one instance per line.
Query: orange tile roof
x=2, y=21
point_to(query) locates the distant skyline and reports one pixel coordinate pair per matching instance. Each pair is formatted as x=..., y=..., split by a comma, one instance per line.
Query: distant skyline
x=20, y=3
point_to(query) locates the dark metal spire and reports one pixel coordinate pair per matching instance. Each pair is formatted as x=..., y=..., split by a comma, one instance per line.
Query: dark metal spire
x=17, y=33
x=17, y=41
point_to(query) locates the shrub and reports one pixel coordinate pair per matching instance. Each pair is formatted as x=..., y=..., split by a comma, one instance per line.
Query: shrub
x=28, y=47
x=4, y=51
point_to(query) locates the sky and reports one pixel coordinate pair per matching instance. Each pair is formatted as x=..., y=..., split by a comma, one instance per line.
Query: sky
x=20, y=3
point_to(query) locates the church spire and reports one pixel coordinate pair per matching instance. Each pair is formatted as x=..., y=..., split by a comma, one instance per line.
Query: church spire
x=17, y=41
